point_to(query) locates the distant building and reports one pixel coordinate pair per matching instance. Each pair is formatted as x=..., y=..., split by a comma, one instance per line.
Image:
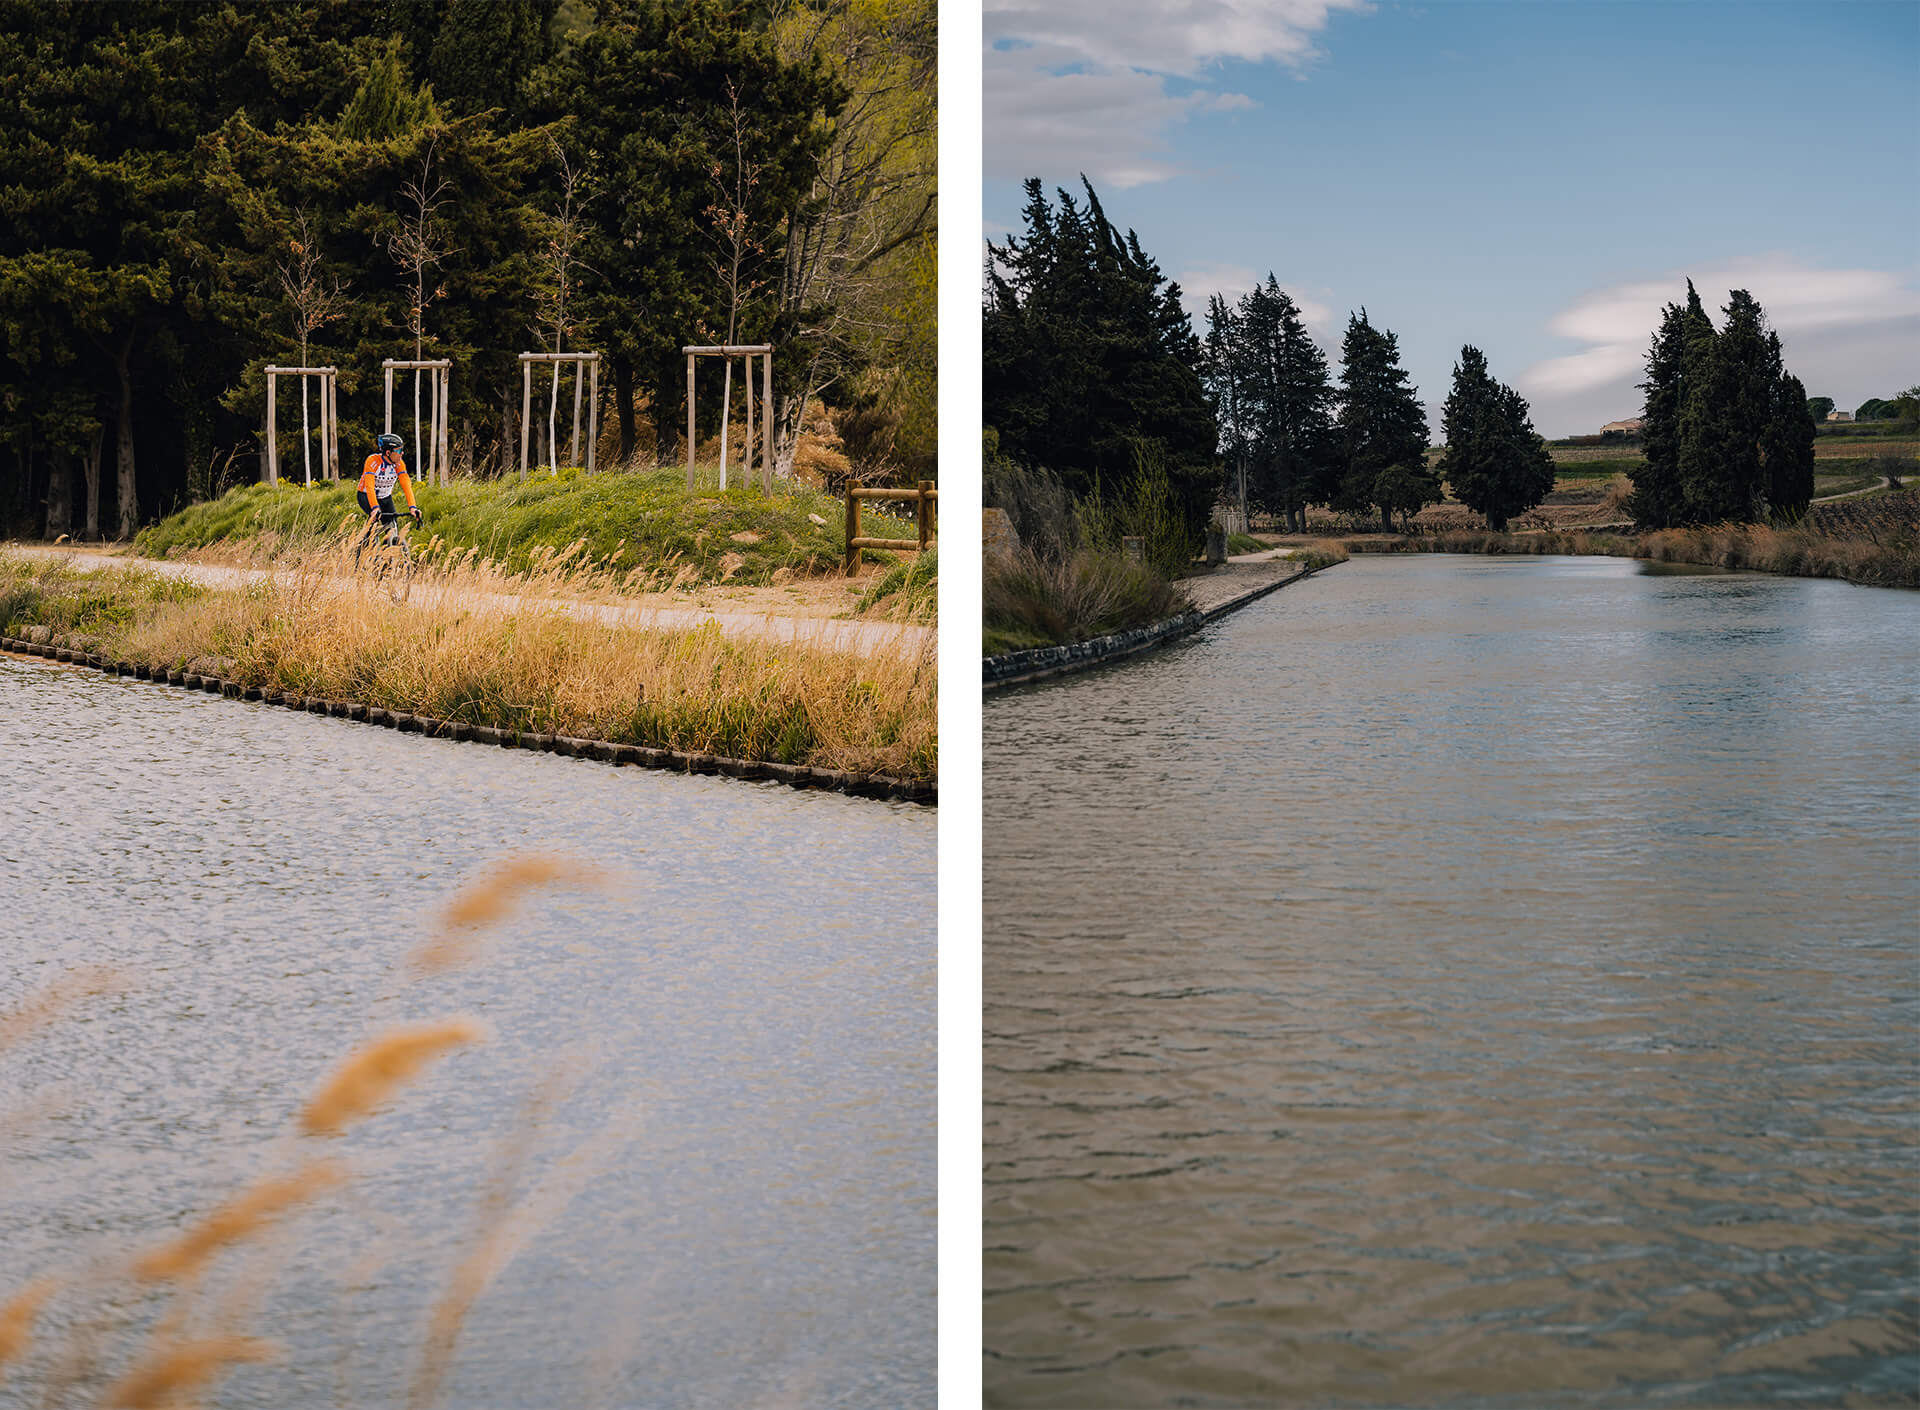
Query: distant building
x=1839, y=416
x=1630, y=428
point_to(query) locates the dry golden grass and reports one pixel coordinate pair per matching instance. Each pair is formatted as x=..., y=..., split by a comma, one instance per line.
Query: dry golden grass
x=182, y=1368
x=490, y=900
x=379, y=1068
x=473, y=645
x=16, y=1319
x=46, y=1005
x=239, y=1218
x=180, y=1362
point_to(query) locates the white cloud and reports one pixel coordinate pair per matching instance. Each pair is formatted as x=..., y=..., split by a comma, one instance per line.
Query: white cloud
x=1844, y=333
x=1076, y=87
x=1230, y=281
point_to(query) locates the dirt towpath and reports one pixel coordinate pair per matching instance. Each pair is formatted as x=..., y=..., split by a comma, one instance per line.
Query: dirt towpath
x=747, y=615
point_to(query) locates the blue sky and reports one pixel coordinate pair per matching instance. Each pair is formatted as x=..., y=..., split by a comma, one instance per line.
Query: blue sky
x=1535, y=178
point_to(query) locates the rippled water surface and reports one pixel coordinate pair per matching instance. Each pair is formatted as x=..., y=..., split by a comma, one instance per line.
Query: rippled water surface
x=1482, y=981
x=731, y=1201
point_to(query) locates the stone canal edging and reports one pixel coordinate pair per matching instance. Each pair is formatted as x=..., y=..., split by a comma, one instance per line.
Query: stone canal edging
x=39, y=641
x=1019, y=667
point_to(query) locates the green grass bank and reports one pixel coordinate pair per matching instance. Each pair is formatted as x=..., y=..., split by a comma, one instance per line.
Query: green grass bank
x=643, y=523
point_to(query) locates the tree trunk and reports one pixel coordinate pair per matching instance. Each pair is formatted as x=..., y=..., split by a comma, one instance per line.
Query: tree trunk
x=129, y=517
x=623, y=405
x=59, y=494
x=91, y=468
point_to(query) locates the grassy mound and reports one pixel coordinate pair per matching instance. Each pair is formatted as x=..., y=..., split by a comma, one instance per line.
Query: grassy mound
x=630, y=519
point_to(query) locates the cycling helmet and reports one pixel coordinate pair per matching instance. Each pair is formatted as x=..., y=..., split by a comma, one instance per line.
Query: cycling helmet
x=387, y=441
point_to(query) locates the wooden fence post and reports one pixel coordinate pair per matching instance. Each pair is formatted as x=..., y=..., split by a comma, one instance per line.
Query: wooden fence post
x=852, y=563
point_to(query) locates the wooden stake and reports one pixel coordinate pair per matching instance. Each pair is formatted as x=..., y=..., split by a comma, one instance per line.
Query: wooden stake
x=593, y=413
x=526, y=415
x=766, y=404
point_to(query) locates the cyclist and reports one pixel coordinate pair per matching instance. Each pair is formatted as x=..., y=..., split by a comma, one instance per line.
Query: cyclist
x=383, y=470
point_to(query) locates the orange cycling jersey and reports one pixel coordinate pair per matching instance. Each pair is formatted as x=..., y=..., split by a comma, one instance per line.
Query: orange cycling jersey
x=378, y=476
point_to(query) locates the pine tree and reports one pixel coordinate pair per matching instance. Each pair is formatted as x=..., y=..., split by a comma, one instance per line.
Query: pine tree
x=1090, y=364
x=1381, y=427
x=1497, y=464
x=1287, y=403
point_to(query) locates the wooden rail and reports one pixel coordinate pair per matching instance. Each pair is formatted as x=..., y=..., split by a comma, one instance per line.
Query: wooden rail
x=923, y=497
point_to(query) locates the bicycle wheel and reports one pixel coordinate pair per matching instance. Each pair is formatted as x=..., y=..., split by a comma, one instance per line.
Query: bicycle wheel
x=400, y=574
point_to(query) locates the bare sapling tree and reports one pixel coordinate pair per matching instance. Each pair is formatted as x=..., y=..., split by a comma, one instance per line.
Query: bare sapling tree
x=564, y=234
x=733, y=236
x=418, y=246
x=316, y=301
x=873, y=196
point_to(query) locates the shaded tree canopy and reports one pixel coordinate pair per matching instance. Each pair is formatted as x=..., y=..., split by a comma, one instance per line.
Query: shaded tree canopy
x=1382, y=428
x=1090, y=365
x=1271, y=393
x=162, y=166
x=1727, y=435
x=1496, y=463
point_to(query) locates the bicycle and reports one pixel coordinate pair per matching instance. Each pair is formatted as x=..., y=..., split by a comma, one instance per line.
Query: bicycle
x=390, y=561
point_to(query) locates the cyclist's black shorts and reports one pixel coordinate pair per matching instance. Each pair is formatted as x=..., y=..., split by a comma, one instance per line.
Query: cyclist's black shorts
x=387, y=512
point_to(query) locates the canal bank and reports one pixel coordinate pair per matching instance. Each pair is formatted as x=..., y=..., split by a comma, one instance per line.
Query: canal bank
x=860, y=721
x=1229, y=587
x=41, y=642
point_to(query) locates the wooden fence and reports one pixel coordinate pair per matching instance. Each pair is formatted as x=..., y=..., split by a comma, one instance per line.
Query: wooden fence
x=923, y=497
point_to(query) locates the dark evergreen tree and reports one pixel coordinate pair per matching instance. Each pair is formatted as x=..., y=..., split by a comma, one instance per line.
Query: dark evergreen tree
x=1657, y=500
x=1287, y=405
x=1382, y=427
x=1728, y=435
x=654, y=141
x=1786, y=440
x=1089, y=363
x=1496, y=463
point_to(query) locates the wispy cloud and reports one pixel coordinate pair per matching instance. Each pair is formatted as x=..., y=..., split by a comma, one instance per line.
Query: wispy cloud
x=1844, y=332
x=1071, y=87
x=1230, y=281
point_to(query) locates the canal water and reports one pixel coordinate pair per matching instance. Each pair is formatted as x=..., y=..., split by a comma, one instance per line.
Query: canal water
x=1465, y=981
x=708, y=1093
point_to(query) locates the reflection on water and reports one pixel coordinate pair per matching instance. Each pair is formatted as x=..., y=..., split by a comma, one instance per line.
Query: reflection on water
x=1462, y=981
x=749, y=1012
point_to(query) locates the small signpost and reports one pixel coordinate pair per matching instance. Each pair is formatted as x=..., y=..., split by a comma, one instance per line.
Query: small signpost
x=747, y=352
x=433, y=466
x=329, y=420
x=587, y=362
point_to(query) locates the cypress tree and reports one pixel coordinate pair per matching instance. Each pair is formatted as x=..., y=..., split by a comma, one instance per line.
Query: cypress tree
x=1381, y=427
x=1497, y=464
x=1786, y=442
x=1657, y=500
